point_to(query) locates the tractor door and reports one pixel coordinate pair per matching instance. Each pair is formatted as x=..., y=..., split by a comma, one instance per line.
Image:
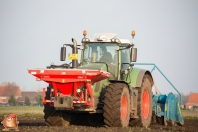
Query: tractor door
x=125, y=58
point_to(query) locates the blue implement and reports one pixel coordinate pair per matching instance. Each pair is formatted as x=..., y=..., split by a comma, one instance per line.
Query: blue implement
x=168, y=107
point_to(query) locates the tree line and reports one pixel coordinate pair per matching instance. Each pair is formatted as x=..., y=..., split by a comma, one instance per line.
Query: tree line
x=13, y=101
x=12, y=90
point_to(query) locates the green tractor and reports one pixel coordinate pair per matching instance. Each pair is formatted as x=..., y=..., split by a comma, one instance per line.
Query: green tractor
x=105, y=85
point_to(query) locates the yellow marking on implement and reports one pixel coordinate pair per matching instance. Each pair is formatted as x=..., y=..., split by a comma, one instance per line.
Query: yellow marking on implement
x=166, y=107
x=63, y=80
x=73, y=57
x=179, y=109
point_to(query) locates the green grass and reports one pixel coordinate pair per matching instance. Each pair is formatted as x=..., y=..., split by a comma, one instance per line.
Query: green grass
x=21, y=108
x=22, y=111
x=189, y=111
x=24, y=115
x=191, y=117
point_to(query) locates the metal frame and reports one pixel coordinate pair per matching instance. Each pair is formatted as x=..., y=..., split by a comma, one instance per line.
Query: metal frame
x=155, y=66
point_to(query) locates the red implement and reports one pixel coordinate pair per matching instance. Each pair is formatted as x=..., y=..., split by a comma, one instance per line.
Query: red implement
x=67, y=81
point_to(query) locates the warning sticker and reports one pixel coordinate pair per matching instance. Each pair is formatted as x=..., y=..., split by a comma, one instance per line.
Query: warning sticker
x=73, y=57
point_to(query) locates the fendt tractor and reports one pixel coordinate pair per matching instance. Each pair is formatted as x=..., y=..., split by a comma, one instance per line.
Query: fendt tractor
x=104, y=86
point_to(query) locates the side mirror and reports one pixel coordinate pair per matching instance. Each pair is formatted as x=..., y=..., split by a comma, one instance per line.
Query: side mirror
x=133, y=54
x=63, y=54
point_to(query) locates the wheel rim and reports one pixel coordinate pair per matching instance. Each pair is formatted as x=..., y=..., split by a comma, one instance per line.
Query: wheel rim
x=124, y=108
x=145, y=104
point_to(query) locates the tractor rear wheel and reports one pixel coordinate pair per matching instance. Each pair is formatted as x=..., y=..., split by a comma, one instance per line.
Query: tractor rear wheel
x=144, y=104
x=117, y=105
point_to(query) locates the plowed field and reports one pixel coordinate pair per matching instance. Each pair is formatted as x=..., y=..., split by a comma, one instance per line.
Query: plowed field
x=35, y=123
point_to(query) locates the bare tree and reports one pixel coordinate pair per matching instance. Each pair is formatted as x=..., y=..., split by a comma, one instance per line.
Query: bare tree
x=11, y=88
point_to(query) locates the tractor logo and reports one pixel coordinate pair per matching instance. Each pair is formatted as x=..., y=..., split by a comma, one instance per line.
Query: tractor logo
x=10, y=122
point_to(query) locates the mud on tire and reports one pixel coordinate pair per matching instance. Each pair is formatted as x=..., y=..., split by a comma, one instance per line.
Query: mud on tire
x=55, y=118
x=116, y=105
x=144, y=104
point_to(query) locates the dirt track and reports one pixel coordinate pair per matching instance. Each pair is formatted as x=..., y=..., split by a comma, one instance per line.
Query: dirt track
x=37, y=124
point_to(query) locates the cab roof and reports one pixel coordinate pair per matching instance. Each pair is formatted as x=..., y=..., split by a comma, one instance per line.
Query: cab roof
x=106, y=37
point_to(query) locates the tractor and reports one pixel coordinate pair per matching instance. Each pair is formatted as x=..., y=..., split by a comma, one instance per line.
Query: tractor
x=105, y=86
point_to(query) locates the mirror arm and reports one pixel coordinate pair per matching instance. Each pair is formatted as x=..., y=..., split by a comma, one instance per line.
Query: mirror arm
x=127, y=47
x=130, y=46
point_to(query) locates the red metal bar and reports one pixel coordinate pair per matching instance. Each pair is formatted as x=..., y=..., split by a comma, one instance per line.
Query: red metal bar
x=43, y=96
x=82, y=96
x=86, y=95
x=74, y=88
x=89, y=90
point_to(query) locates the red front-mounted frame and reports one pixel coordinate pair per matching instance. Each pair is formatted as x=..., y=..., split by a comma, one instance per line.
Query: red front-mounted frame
x=67, y=81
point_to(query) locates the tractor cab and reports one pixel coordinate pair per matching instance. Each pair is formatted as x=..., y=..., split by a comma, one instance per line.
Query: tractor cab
x=108, y=53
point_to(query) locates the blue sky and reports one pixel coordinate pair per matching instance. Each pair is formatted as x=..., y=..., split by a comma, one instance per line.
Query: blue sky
x=32, y=32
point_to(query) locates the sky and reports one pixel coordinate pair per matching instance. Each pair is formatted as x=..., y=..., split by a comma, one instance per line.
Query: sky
x=32, y=33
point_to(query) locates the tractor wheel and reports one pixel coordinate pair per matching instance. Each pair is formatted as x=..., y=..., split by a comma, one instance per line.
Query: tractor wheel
x=144, y=104
x=55, y=118
x=117, y=105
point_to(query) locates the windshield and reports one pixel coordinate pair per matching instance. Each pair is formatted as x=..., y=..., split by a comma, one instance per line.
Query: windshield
x=104, y=53
x=100, y=52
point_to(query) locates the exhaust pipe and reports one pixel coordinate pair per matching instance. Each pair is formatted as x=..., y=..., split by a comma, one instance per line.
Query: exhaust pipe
x=74, y=51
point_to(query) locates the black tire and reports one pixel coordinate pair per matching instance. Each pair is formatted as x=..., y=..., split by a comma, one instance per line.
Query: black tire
x=52, y=116
x=117, y=105
x=154, y=118
x=55, y=118
x=144, y=104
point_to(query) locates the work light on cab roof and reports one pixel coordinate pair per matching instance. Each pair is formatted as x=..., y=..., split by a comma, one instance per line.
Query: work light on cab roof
x=107, y=37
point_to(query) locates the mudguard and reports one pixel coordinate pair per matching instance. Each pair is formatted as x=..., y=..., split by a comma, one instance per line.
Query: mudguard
x=135, y=76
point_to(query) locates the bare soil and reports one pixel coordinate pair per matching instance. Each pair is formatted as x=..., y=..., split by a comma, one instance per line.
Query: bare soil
x=36, y=124
x=190, y=113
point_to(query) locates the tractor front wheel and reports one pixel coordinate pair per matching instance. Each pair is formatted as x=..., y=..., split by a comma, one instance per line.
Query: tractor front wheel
x=55, y=118
x=52, y=116
x=144, y=104
x=117, y=105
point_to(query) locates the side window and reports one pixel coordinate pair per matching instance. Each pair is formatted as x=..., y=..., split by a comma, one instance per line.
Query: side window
x=87, y=54
x=125, y=58
x=98, y=53
x=93, y=53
